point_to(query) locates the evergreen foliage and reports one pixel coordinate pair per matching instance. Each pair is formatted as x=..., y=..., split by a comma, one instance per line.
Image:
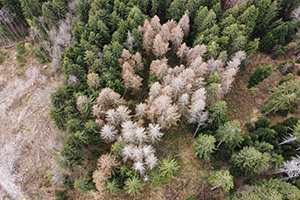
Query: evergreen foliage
x=262, y=123
x=230, y=133
x=168, y=167
x=250, y=126
x=284, y=97
x=217, y=114
x=269, y=189
x=286, y=78
x=250, y=160
x=132, y=185
x=261, y=73
x=97, y=65
x=83, y=185
x=204, y=146
x=221, y=179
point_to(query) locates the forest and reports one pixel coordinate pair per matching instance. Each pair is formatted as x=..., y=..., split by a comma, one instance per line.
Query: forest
x=150, y=86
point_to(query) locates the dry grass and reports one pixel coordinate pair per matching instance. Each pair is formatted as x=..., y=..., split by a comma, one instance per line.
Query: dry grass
x=27, y=135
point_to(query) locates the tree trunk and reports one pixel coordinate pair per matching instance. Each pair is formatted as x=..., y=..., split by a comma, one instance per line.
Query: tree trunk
x=9, y=41
x=215, y=187
x=289, y=140
x=182, y=153
x=196, y=130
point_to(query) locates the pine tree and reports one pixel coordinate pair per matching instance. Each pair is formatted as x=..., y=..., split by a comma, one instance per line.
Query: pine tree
x=176, y=37
x=221, y=179
x=238, y=43
x=230, y=133
x=204, y=146
x=168, y=167
x=160, y=48
x=284, y=97
x=108, y=163
x=49, y=13
x=208, y=22
x=184, y=23
x=112, y=186
x=176, y=10
x=217, y=114
x=154, y=132
x=13, y=6
x=250, y=160
x=155, y=23
x=132, y=185
x=108, y=133
x=84, y=105
x=31, y=8
x=214, y=93
x=267, y=12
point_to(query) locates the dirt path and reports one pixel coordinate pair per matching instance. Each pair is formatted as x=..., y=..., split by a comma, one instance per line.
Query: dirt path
x=27, y=135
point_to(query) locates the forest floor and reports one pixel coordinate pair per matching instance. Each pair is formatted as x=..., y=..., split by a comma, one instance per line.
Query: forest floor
x=27, y=135
x=246, y=104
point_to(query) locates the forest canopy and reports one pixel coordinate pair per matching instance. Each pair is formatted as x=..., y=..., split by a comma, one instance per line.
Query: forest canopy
x=134, y=70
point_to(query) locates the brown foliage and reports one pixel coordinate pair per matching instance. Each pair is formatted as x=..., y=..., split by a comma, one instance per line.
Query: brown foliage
x=140, y=111
x=107, y=163
x=160, y=48
x=131, y=80
x=183, y=50
x=155, y=23
x=79, y=103
x=93, y=80
x=176, y=36
x=227, y=78
x=159, y=68
x=109, y=99
x=215, y=66
x=165, y=32
x=184, y=23
x=196, y=52
x=100, y=178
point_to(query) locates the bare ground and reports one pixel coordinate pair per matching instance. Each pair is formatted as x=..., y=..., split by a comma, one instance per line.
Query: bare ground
x=27, y=135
